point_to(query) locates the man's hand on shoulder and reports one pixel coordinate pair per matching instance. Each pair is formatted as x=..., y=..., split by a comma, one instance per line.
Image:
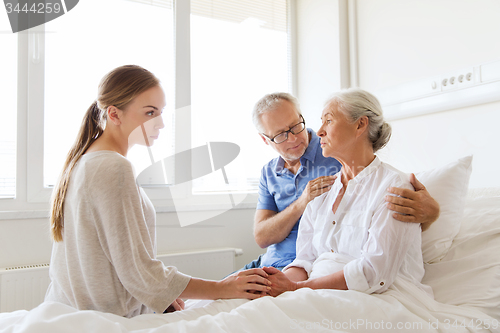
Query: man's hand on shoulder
x=412, y=206
x=316, y=187
x=271, y=227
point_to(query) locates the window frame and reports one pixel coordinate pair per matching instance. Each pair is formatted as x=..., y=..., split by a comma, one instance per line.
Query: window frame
x=31, y=197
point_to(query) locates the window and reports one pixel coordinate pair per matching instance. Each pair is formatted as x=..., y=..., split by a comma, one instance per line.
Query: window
x=123, y=32
x=8, y=133
x=239, y=53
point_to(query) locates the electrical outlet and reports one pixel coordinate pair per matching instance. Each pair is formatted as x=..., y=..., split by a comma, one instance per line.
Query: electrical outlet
x=459, y=79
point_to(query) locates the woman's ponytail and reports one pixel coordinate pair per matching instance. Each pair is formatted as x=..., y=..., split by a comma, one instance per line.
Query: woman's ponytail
x=90, y=130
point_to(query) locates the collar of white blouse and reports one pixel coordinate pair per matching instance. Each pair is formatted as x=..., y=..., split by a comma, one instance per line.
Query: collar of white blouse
x=354, y=187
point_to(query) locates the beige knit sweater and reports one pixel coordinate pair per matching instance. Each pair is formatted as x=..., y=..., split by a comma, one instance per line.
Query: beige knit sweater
x=107, y=259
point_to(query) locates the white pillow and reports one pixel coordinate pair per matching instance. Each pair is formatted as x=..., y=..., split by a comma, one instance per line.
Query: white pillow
x=448, y=186
x=472, y=265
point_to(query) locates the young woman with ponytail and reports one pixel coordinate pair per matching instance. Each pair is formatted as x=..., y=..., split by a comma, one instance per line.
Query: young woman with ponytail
x=103, y=224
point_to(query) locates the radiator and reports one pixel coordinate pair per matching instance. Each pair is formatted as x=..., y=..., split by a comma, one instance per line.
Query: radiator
x=24, y=287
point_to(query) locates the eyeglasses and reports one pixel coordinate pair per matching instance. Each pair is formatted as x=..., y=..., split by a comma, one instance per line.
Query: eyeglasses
x=283, y=136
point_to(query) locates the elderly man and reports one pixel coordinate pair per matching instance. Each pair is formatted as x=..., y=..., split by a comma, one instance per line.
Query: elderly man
x=300, y=174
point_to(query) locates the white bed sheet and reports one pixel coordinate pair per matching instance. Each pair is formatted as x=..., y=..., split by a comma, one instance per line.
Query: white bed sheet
x=303, y=311
x=466, y=285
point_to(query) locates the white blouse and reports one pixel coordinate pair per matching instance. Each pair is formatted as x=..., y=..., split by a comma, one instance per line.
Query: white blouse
x=362, y=237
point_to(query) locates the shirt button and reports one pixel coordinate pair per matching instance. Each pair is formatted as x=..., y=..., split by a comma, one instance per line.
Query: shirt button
x=381, y=283
x=333, y=222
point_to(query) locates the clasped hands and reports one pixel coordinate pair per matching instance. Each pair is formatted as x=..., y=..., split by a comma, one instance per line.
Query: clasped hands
x=269, y=281
x=251, y=284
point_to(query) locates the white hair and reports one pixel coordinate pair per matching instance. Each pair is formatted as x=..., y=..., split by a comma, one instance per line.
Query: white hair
x=356, y=103
x=269, y=103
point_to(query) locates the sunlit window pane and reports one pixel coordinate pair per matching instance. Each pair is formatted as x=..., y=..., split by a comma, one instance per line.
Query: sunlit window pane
x=8, y=87
x=239, y=52
x=85, y=44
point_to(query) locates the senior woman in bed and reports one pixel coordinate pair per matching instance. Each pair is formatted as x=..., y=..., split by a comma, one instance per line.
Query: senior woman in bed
x=348, y=238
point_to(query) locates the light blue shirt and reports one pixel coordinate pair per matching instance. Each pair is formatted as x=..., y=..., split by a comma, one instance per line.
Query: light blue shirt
x=279, y=188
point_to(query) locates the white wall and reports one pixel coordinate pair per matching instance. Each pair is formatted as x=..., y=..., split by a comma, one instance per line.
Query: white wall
x=405, y=40
x=24, y=242
x=27, y=242
x=233, y=228
x=319, y=50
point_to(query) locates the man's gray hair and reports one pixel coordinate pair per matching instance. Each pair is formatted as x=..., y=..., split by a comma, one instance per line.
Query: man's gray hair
x=269, y=103
x=356, y=103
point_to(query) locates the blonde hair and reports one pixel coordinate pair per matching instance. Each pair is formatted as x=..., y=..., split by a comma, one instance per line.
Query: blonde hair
x=118, y=88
